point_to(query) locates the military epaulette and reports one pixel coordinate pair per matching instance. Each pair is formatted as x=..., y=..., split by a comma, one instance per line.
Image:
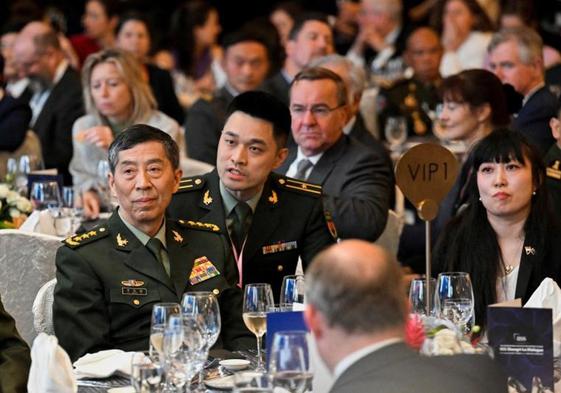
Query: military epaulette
x=553, y=171
x=299, y=186
x=204, y=226
x=190, y=183
x=86, y=237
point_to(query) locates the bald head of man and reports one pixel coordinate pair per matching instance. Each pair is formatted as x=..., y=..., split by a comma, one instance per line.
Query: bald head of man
x=355, y=297
x=423, y=54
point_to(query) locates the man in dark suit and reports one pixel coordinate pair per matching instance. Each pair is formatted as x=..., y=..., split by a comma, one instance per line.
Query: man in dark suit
x=515, y=56
x=14, y=356
x=57, y=94
x=109, y=278
x=283, y=220
x=357, y=183
x=246, y=63
x=310, y=37
x=356, y=311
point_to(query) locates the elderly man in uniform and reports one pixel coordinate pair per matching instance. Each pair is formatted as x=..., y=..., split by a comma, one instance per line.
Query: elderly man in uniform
x=109, y=278
x=271, y=220
x=416, y=97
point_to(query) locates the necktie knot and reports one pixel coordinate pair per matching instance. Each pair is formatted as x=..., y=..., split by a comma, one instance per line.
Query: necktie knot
x=301, y=169
x=241, y=221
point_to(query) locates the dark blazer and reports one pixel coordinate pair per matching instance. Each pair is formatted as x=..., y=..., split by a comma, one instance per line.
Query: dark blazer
x=15, y=115
x=164, y=93
x=397, y=369
x=96, y=307
x=287, y=215
x=278, y=86
x=204, y=124
x=14, y=356
x=533, y=119
x=357, y=187
x=553, y=179
x=54, y=123
x=360, y=133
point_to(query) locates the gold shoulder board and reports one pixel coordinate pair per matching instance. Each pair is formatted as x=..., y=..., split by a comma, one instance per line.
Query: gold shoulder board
x=86, y=237
x=191, y=183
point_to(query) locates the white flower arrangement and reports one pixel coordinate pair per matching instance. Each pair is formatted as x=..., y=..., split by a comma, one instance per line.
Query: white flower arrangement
x=14, y=208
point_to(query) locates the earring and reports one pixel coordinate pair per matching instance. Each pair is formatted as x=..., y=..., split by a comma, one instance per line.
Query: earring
x=479, y=199
x=533, y=193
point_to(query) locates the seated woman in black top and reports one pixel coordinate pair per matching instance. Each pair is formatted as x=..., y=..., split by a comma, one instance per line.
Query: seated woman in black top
x=506, y=238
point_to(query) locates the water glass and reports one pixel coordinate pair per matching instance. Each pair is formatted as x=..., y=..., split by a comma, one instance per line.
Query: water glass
x=292, y=291
x=161, y=314
x=419, y=296
x=257, y=300
x=290, y=361
x=395, y=131
x=46, y=195
x=454, y=299
x=11, y=171
x=146, y=372
x=252, y=381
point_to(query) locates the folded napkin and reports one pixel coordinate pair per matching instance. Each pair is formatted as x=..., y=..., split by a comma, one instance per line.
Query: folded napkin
x=103, y=364
x=41, y=221
x=51, y=370
x=548, y=295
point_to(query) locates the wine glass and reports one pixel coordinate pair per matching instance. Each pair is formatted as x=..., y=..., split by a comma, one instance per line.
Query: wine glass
x=454, y=299
x=46, y=195
x=146, y=372
x=395, y=131
x=203, y=306
x=70, y=207
x=418, y=296
x=161, y=314
x=11, y=170
x=290, y=361
x=292, y=291
x=252, y=381
x=257, y=299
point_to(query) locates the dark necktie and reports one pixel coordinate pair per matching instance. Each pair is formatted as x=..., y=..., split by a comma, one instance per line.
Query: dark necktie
x=155, y=246
x=241, y=221
x=301, y=168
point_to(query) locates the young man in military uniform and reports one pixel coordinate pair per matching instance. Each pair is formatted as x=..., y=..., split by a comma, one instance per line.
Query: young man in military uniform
x=109, y=278
x=416, y=97
x=270, y=220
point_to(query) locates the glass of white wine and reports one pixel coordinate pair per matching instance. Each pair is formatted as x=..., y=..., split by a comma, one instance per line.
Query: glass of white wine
x=257, y=299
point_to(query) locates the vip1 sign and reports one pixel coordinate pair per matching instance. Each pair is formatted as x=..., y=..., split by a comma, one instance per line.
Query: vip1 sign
x=425, y=174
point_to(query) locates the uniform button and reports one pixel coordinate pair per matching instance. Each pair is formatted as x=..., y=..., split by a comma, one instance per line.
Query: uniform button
x=136, y=302
x=280, y=268
x=215, y=291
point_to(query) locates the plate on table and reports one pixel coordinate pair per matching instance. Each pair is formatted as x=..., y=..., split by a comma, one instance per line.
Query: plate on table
x=234, y=364
x=222, y=383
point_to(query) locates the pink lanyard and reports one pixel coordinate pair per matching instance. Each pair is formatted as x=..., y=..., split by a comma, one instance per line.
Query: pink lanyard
x=239, y=259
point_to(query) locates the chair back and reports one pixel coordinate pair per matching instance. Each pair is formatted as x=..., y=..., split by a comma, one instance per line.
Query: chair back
x=43, y=309
x=389, y=239
x=27, y=261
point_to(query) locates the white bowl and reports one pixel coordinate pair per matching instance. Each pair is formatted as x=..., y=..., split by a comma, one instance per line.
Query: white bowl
x=234, y=364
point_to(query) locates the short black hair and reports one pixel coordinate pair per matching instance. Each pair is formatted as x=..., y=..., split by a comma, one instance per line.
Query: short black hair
x=244, y=35
x=301, y=20
x=266, y=107
x=142, y=133
x=133, y=16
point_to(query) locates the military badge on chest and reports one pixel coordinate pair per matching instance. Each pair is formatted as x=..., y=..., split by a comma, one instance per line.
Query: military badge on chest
x=203, y=269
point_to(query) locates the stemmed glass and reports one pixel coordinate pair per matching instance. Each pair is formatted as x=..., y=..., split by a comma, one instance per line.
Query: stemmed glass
x=46, y=195
x=11, y=171
x=146, y=372
x=418, y=296
x=161, y=314
x=292, y=291
x=395, y=131
x=103, y=170
x=290, y=361
x=252, y=381
x=454, y=299
x=257, y=300
x=70, y=208
x=203, y=306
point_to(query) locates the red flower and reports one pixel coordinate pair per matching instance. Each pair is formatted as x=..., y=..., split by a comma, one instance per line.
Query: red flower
x=414, y=332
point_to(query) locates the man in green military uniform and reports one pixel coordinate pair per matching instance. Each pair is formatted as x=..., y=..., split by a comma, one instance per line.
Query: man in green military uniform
x=415, y=98
x=109, y=278
x=271, y=220
x=14, y=356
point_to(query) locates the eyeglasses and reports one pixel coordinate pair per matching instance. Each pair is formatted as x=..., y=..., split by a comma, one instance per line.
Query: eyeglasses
x=318, y=111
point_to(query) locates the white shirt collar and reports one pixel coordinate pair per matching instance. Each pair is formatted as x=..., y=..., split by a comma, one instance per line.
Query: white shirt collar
x=391, y=38
x=354, y=357
x=230, y=89
x=314, y=159
x=349, y=126
x=60, y=70
x=532, y=92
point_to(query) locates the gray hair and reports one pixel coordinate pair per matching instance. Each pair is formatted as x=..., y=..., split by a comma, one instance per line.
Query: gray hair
x=356, y=301
x=356, y=74
x=392, y=7
x=530, y=44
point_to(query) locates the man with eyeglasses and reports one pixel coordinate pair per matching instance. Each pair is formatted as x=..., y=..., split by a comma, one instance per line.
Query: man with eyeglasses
x=357, y=183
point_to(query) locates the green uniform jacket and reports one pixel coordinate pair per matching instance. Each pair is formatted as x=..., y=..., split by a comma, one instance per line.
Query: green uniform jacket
x=14, y=356
x=107, y=283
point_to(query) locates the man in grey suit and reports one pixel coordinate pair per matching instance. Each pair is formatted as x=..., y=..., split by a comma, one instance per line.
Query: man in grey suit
x=357, y=182
x=356, y=312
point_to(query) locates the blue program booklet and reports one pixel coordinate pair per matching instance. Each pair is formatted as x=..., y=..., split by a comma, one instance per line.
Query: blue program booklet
x=522, y=341
x=281, y=321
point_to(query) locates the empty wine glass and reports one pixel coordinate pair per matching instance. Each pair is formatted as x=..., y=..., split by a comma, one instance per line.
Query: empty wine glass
x=252, y=381
x=292, y=291
x=257, y=299
x=11, y=171
x=103, y=170
x=290, y=361
x=395, y=131
x=418, y=296
x=161, y=314
x=146, y=372
x=70, y=207
x=46, y=195
x=454, y=299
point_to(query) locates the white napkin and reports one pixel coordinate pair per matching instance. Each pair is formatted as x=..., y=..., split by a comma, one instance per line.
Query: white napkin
x=51, y=370
x=42, y=222
x=548, y=295
x=103, y=364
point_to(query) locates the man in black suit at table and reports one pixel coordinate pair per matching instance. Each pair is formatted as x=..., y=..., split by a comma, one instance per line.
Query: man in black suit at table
x=270, y=219
x=356, y=312
x=57, y=93
x=357, y=183
x=515, y=56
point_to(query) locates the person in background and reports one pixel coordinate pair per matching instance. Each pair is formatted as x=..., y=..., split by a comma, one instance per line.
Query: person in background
x=466, y=31
x=99, y=20
x=282, y=16
x=508, y=218
x=133, y=36
x=345, y=26
x=356, y=312
x=15, y=115
x=117, y=96
x=553, y=163
x=515, y=56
